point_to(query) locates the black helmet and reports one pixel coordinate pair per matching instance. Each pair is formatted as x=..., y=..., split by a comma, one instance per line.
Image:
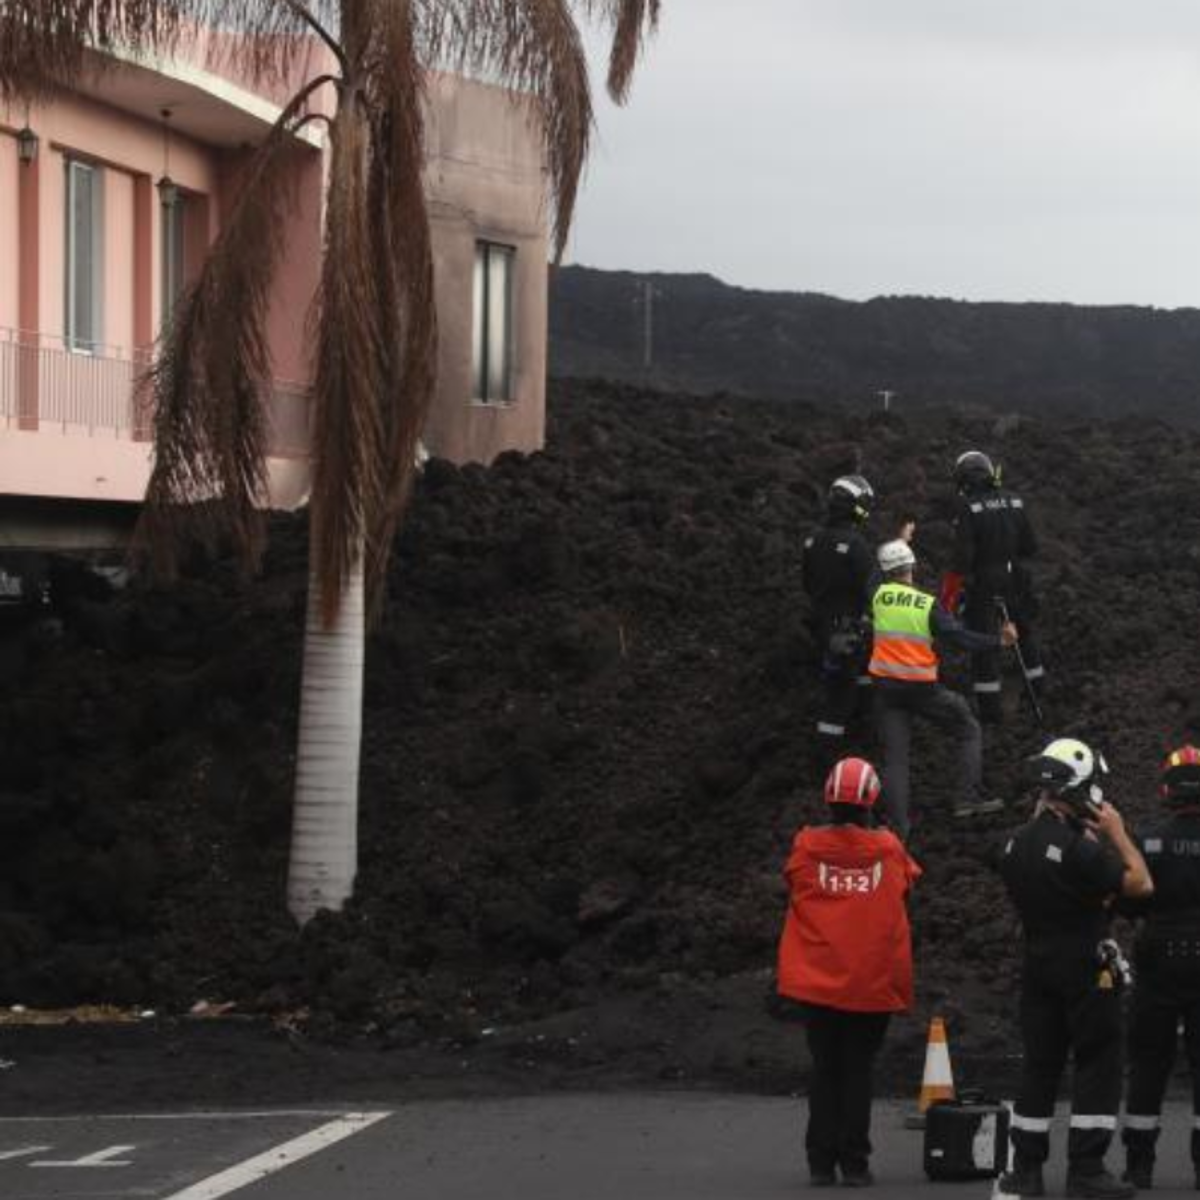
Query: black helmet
x=974, y=472
x=851, y=496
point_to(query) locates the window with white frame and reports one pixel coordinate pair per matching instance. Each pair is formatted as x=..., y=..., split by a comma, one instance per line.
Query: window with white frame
x=492, y=345
x=82, y=320
x=174, y=217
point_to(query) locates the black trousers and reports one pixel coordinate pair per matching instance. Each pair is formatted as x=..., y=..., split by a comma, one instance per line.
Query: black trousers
x=843, y=1046
x=1161, y=1003
x=982, y=616
x=1068, y=1008
x=845, y=699
x=895, y=707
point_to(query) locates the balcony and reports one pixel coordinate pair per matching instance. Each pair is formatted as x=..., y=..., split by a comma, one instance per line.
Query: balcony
x=76, y=422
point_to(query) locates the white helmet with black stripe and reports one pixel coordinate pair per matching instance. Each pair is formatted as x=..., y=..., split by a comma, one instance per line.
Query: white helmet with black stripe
x=851, y=496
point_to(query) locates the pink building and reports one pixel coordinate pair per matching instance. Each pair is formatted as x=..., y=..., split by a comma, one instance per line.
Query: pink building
x=109, y=198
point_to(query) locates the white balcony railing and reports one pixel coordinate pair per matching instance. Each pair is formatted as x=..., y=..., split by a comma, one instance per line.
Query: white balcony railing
x=48, y=386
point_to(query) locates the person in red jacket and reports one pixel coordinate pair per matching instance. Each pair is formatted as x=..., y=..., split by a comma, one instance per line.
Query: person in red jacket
x=846, y=957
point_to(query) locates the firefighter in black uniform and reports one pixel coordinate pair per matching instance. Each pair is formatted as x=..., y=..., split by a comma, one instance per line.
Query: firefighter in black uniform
x=1063, y=870
x=993, y=542
x=1167, y=956
x=839, y=568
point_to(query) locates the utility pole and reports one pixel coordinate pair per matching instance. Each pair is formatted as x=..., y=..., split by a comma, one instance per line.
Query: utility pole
x=648, y=325
x=886, y=395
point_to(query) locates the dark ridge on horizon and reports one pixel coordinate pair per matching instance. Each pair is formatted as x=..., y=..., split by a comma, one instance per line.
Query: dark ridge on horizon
x=1053, y=358
x=749, y=290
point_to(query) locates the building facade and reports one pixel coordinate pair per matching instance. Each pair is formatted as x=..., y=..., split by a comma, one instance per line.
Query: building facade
x=110, y=197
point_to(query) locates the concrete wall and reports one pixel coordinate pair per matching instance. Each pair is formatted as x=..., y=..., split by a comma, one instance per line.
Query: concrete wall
x=486, y=181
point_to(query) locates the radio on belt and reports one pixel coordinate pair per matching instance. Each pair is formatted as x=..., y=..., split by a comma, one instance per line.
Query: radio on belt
x=966, y=1139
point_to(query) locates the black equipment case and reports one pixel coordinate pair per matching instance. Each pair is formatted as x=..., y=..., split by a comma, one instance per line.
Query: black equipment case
x=965, y=1139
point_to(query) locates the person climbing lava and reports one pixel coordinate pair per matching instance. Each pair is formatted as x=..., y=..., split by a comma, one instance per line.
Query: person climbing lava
x=993, y=543
x=907, y=624
x=838, y=568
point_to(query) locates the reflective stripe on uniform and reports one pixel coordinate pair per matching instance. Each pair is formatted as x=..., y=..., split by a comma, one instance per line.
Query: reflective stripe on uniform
x=987, y=687
x=902, y=647
x=1031, y=1124
x=831, y=730
x=1133, y=1121
x=864, y=681
x=904, y=671
x=1035, y=673
x=907, y=639
x=1084, y=1121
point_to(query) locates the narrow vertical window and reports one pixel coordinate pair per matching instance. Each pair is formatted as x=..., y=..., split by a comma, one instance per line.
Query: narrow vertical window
x=174, y=219
x=84, y=254
x=492, y=353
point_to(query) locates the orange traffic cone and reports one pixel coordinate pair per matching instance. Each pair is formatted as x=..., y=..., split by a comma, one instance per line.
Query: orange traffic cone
x=938, y=1081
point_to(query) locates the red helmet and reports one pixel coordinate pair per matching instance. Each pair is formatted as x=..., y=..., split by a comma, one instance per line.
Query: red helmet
x=1179, y=777
x=852, y=781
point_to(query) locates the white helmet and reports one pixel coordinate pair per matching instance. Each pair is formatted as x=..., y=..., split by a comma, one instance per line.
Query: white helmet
x=1067, y=764
x=895, y=556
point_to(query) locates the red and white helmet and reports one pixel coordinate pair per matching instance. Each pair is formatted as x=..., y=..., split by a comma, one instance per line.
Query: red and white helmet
x=1179, y=776
x=852, y=781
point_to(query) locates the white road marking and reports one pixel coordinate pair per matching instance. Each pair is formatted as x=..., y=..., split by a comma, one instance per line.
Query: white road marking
x=109, y=1157
x=24, y=1152
x=236, y=1115
x=267, y=1163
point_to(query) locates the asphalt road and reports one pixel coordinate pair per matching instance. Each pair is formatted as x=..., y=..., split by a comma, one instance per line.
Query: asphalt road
x=556, y=1147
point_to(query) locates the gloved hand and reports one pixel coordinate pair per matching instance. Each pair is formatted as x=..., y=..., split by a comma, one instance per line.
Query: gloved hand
x=1108, y=954
x=950, y=593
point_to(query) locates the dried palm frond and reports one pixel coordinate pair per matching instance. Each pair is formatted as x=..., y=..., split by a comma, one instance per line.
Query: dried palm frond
x=348, y=476
x=44, y=44
x=212, y=378
x=404, y=254
x=632, y=21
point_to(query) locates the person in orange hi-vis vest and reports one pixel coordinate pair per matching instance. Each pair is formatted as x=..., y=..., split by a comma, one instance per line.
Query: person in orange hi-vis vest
x=846, y=957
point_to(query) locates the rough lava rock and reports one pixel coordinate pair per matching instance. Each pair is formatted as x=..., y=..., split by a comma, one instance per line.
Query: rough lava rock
x=587, y=736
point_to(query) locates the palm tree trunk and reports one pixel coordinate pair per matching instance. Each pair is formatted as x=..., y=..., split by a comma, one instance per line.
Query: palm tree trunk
x=324, y=857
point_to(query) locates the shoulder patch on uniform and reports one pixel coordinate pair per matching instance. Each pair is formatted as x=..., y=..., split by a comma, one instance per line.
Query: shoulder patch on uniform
x=843, y=547
x=808, y=543
x=1008, y=846
x=1017, y=502
x=977, y=507
x=1054, y=853
x=1152, y=846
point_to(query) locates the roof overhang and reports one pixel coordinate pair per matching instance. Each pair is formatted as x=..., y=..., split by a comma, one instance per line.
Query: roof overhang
x=203, y=105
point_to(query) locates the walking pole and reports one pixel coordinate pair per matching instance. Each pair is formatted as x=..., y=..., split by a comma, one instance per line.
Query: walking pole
x=1039, y=716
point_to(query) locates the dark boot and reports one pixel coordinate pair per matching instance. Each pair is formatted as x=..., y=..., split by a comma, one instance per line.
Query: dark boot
x=857, y=1177
x=1139, y=1171
x=1025, y=1179
x=1098, y=1185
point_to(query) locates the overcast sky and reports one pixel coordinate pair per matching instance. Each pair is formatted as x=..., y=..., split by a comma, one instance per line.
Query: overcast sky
x=982, y=149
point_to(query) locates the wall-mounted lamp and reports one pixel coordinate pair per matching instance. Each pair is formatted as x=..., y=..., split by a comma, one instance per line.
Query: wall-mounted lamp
x=168, y=192
x=27, y=145
x=168, y=189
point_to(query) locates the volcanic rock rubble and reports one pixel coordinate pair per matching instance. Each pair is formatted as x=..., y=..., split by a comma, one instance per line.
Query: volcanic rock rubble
x=587, y=736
